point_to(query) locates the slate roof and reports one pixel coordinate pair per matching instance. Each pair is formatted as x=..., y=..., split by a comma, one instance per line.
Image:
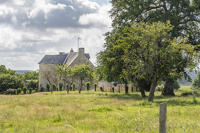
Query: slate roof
x=61, y=59
x=54, y=59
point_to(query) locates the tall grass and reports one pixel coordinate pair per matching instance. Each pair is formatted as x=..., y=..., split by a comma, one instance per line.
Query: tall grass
x=96, y=112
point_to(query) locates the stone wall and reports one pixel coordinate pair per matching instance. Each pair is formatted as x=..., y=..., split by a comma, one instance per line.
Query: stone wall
x=46, y=71
x=80, y=60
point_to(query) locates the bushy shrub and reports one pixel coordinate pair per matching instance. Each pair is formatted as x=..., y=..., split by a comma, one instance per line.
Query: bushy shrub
x=54, y=87
x=186, y=94
x=160, y=87
x=24, y=90
x=113, y=89
x=42, y=89
x=60, y=86
x=10, y=81
x=73, y=87
x=48, y=87
x=132, y=89
x=101, y=89
x=196, y=82
x=88, y=86
x=176, y=85
x=36, y=89
x=33, y=84
x=18, y=90
x=30, y=90
x=11, y=92
x=95, y=87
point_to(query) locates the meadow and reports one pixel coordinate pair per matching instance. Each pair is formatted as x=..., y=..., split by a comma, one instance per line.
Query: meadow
x=97, y=112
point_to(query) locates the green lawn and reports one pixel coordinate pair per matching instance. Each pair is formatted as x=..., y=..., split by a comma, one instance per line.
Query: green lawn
x=92, y=112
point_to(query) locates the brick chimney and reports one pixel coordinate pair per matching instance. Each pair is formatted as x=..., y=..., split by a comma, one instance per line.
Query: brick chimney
x=71, y=51
x=62, y=53
x=81, y=51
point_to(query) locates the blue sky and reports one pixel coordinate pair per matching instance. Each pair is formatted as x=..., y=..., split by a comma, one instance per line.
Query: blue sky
x=31, y=29
x=101, y=1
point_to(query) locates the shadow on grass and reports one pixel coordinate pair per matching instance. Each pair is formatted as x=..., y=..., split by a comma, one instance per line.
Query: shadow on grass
x=157, y=100
x=122, y=96
x=178, y=103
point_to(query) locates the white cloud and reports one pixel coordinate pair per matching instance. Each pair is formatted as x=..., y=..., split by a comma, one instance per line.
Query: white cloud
x=100, y=18
x=92, y=5
x=5, y=10
x=9, y=37
x=19, y=2
x=44, y=6
x=32, y=28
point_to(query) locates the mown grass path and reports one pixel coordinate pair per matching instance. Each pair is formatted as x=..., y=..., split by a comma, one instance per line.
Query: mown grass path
x=92, y=112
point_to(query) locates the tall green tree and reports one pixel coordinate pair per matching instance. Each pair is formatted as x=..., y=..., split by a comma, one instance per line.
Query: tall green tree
x=82, y=73
x=183, y=15
x=65, y=76
x=4, y=70
x=196, y=82
x=31, y=76
x=150, y=52
x=110, y=64
x=8, y=81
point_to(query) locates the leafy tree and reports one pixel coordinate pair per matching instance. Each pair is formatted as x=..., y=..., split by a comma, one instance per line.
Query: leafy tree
x=4, y=70
x=8, y=81
x=11, y=92
x=82, y=73
x=73, y=87
x=19, y=90
x=30, y=90
x=183, y=15
x=24, y=90
x=95, y=87
x=31, y=76
x=150, y=52
x=48, y=87
x=196, y=82
x=32, y=84
x=110, y=64
x=88, y=85
x=65, y=76
x=54, y=88
x=60, y=86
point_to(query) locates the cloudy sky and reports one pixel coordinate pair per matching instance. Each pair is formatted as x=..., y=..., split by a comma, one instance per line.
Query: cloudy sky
x=29, y=29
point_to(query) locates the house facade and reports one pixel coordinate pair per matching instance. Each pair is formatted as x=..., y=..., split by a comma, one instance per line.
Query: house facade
x=48, y=64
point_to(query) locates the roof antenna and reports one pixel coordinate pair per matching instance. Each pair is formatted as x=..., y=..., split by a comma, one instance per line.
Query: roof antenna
x=78, y=42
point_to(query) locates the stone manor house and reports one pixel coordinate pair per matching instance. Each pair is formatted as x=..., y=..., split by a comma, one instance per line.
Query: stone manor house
x=47, y=66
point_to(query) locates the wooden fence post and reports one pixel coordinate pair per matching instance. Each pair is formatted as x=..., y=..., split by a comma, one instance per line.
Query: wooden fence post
x=163, y=118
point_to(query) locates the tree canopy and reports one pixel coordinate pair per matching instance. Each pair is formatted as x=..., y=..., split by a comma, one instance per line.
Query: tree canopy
x=82, y=73
x=8, y=81
x=146, y=51
x=31, y=76
x=183, y=15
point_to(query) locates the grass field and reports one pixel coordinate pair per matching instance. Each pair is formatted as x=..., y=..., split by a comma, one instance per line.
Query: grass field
x=92, y=112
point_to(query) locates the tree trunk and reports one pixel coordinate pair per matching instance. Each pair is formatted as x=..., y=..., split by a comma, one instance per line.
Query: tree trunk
x=80, y=87
x=119, y=89
x=64, y=85
x=68, y=90
x=142, y=91
x=152, y=90
x=168, y=89
x=95, y=88
x=126, y=88
x=143, y=85
x=51, y=88
x=113, y=89
x=132, y=89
